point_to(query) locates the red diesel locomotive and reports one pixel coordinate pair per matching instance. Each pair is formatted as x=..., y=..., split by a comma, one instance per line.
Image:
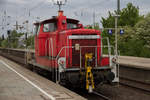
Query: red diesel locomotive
x=73, y=54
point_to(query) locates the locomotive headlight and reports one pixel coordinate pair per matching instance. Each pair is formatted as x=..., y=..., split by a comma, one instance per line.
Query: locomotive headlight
x=77, y=46
x=62, y=64
x=114, y=60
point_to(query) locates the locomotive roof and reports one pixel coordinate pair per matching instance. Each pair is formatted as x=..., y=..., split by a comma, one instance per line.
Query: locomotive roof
x=70, y=20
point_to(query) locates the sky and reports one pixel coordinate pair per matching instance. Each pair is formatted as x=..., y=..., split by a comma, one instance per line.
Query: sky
x=22, y=10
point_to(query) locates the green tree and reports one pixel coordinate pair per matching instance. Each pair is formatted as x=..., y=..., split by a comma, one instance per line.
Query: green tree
x=13, y=38
x=136, y=40
x=4, y=43
x=1, y=41
x=30, y=41
x=129, y=16
x=11, y=41
x=88, y=27
x=132, y=42
x=108, y=22
x=96, y=26
x=143, y=30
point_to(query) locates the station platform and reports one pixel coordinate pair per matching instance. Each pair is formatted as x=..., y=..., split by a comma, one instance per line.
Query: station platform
x=135, y=68
x=19, y=83
x=135, y=62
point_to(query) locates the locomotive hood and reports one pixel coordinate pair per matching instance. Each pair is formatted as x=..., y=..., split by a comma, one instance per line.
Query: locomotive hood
x=81, y=31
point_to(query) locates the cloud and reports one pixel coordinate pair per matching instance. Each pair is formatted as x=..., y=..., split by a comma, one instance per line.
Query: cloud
x=2, y=4
x=17, y=1
x=79, y=9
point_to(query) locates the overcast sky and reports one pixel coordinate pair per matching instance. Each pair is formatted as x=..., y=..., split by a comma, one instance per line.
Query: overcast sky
x=78, y=9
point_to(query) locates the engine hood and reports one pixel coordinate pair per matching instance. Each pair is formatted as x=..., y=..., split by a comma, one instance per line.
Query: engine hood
x=80, y=31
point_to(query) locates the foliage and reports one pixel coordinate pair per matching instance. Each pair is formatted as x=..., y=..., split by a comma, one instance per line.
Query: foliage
x=17, y=40
x=143, y=30
x=12, y=40
x=88, y=27
x=30, y=41
x=1, y=41
x=109, y=22
x=129, y=16
x=4, y=43
x=95, y=26
x=134, y=47
x=136, y=39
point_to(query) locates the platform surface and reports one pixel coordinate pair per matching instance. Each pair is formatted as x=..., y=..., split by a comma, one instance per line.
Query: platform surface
x=137, y=62
x=18, y=83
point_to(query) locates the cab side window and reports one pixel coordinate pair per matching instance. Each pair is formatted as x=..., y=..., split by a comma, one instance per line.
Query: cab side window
x=49, y=27
x=71, y=26
x=46, y=28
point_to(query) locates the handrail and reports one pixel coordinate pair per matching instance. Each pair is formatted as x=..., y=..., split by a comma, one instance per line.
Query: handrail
x=57, y=70
x=46, y=46
x=62, y=49
x=81, y=47
x=57, y=62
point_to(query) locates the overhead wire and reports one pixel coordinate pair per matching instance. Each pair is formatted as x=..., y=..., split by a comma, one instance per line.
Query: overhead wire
x=36, y=6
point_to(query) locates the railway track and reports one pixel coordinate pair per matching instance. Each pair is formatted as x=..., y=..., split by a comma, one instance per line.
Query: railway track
x=101, y=95
x=141, y=86
x=96, y=95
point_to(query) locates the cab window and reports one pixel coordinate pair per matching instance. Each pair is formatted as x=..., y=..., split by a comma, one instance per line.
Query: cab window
x=71, y=26
x=49, y=27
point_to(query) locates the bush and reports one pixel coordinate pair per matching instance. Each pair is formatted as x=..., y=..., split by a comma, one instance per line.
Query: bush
x=4, y=43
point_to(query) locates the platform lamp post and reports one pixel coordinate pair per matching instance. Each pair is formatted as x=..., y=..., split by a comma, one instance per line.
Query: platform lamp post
x=116, y=34
x=116, y=27
x=116, y=38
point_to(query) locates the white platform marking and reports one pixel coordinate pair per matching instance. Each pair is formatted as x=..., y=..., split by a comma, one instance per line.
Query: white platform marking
x=26, y=79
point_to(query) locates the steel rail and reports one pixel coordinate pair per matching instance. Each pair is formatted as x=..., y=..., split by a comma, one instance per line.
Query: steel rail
x=101, y=95
x=128, y=81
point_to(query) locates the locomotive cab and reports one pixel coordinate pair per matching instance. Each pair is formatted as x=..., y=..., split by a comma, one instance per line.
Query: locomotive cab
x=73, y=54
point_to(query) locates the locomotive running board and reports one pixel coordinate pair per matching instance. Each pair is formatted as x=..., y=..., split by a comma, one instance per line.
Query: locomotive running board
x=40, y=66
